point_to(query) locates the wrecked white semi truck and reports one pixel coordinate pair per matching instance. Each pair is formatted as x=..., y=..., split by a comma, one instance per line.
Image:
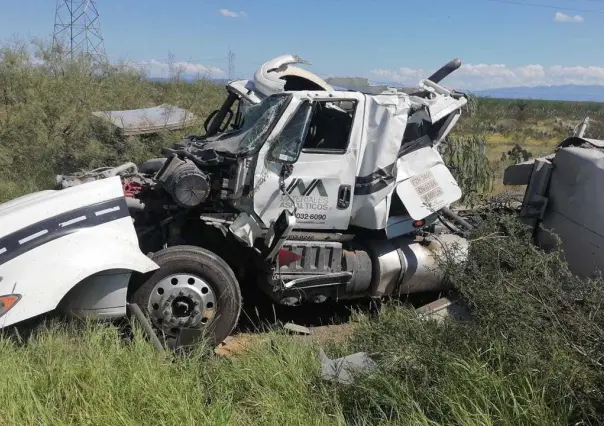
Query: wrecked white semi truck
x=314, y=193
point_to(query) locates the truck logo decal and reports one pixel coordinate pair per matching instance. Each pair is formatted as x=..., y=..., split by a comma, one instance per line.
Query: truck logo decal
x=304, y=190
x=310, y=198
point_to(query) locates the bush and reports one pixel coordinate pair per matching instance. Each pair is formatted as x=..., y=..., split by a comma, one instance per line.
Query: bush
x=530, y=354
x=465, y=156
x=46, y=122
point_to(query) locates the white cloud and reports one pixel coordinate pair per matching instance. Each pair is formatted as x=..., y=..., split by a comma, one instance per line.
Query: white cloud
x=400, y=75
x=157, y=68
x=230, y=14
x=563, y=17
x=486, y=76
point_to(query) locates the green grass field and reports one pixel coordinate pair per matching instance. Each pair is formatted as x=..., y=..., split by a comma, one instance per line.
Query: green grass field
x=531, y=354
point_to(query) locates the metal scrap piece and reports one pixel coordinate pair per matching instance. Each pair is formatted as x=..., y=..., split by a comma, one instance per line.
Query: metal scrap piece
x=298, y=329
x=342, y=369
x=443, y=308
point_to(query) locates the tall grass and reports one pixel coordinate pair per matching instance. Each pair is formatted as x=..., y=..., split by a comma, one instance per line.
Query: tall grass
x=88, y=376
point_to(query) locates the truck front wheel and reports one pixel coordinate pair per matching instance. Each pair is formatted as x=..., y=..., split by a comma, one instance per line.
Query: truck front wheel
x=194, y=294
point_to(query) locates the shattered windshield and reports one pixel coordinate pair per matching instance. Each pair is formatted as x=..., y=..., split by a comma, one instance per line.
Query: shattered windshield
x=257, y=122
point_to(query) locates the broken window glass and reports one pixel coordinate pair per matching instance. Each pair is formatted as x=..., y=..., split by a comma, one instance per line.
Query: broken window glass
x=257, y=122
x=288, y=143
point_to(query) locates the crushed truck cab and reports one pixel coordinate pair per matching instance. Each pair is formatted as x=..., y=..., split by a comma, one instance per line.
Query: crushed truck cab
x=315, y=192
x=76, y=248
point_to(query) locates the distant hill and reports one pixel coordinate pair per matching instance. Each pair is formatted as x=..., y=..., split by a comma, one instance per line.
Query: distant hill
x=569, y=92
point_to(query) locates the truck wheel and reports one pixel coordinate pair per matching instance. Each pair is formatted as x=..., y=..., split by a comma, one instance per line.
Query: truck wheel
x=193, y=294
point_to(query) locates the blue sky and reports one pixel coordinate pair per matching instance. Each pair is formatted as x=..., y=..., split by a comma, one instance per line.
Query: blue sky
x=500, y=43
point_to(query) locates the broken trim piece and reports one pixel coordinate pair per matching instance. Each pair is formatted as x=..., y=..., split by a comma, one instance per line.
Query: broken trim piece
x=376, y=181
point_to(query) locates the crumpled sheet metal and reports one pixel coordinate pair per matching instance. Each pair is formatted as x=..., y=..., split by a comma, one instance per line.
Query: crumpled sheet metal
x=148, y=120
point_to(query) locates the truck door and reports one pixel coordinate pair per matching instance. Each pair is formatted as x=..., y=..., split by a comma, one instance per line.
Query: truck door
x=326, y=134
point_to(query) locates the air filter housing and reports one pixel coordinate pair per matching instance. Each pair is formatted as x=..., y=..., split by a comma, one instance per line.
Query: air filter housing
x=185, y=182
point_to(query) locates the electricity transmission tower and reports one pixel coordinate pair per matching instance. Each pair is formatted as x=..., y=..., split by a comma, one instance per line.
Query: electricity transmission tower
x=78, y=29
x=231, y=59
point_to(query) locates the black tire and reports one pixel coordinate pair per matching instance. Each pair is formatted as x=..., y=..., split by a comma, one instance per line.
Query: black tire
x=215, y=272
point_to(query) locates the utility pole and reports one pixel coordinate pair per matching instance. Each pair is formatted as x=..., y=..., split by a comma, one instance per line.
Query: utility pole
x=78, y=28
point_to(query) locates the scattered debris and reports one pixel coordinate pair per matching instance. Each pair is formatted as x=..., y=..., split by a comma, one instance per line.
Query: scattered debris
x=144, y=322
x=443, y=308
x=342, y=369
x=148, y=120
x=298, y=329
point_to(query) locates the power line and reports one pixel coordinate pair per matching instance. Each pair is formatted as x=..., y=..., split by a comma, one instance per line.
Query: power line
x=517, y=3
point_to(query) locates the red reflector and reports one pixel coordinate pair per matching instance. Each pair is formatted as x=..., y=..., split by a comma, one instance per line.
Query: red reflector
x=418, y=223
x=286, y=257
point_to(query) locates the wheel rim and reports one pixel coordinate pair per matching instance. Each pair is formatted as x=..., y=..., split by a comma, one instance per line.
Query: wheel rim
x=182, y=301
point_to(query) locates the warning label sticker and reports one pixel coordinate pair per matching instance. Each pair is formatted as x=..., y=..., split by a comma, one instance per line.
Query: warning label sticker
x=427, y=187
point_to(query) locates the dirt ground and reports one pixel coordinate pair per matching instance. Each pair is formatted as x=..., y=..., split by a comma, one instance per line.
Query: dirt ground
x=329, y=322
x=321, y=335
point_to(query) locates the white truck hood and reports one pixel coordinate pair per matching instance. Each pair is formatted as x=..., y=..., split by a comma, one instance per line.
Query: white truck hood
x=24, y=200
x=38, y=206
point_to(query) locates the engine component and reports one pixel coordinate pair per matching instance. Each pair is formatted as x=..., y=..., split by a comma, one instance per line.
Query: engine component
x=187, y=185
x=135, y=204
x=151, y=166
x=131, y=188
x=67, y=181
